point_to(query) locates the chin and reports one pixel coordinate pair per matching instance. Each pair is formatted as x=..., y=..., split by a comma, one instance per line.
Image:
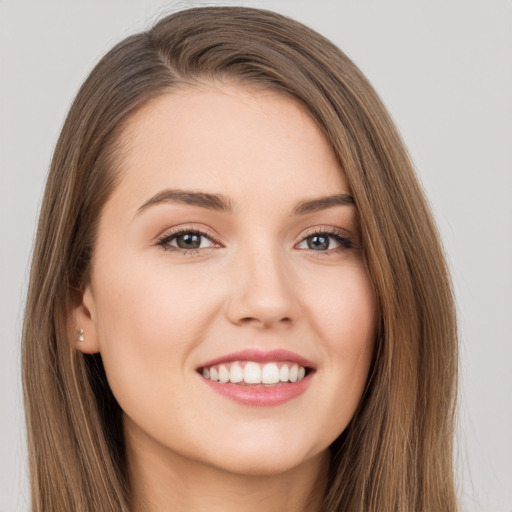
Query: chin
x=257, y=460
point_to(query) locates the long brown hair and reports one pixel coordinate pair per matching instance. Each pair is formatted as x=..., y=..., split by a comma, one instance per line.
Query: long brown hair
x=396, y=454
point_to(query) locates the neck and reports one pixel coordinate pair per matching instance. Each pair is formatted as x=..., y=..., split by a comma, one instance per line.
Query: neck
x=163, y=480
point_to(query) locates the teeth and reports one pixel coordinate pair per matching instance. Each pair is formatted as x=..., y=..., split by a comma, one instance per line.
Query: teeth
x=250, y=372
x=236, y=374
x=270, y=374
x=223, y=373
x=294, y=373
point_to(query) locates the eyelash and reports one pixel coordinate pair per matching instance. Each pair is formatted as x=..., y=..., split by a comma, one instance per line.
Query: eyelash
x=339, y=235
x=165, y=239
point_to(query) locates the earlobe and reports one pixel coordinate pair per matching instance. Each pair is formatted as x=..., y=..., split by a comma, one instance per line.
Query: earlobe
x=82, y=322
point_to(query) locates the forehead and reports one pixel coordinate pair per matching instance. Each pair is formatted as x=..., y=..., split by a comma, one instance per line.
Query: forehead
x=228, y=139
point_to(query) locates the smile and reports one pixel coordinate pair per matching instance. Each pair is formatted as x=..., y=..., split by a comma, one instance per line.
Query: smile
x=258, y=378
x=253, y=373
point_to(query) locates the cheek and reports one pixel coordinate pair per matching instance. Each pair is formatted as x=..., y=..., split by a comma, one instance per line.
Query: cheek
x=345, y=308
x=153, y=307
x=149, y=321
x=347, y=320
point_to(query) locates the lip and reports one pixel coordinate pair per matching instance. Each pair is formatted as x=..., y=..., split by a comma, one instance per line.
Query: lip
x=261, y=356
x=261, y=396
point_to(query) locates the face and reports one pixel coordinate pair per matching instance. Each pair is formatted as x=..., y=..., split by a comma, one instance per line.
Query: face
x=219, y=258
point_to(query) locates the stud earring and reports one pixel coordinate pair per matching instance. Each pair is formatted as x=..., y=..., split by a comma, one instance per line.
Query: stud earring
x=80, y=334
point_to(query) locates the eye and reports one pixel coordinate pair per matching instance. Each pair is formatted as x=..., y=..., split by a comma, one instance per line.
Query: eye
x=326, y=241
x=186, y=240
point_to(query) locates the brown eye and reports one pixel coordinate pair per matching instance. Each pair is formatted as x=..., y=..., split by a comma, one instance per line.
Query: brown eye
x=325, y=241
x=318, y=242
x=186, y=241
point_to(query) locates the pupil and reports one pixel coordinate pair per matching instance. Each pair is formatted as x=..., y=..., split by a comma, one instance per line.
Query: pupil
x=318, y=242
x=189, y=241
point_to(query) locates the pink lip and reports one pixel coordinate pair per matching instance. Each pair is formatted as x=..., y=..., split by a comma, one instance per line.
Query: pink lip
x=261, y=396
x=261, y=356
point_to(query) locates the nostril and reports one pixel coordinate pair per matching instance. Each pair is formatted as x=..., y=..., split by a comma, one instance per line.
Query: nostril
x=263, y=321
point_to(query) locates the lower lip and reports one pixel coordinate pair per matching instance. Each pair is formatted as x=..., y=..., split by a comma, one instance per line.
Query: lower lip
x=261, y=396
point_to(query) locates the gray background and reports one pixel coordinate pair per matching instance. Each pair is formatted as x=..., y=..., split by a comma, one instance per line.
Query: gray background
x=443, y=68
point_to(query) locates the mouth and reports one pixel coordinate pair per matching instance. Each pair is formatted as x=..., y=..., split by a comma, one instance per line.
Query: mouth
x=256, y=378
x=254, y=373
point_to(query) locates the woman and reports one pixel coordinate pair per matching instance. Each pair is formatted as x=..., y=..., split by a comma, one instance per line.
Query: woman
x=238, y=298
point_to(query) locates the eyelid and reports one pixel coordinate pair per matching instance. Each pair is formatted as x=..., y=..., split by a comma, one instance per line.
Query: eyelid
x=332, y=230
x=344, y=240
x=175, y=231
x=186, y=228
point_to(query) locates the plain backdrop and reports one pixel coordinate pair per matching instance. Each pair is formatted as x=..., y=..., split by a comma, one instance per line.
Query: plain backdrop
x=444, y=70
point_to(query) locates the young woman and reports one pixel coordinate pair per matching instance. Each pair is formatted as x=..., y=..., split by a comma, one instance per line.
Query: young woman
x=238, y=299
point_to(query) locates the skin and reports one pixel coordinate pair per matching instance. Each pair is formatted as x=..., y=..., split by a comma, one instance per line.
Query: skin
x=156, y=315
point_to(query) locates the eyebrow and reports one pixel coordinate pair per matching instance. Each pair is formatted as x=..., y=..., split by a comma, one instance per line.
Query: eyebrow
x=314, y=205
x=216, y=202
x=221, y=203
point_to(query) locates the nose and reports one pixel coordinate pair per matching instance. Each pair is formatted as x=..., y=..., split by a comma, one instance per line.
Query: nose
x=262, y=291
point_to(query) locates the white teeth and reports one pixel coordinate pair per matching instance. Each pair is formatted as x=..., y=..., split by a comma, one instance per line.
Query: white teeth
x=223, y=374
x=252, y=373
x=294, y=372
x=236, y=374
x=270, y=374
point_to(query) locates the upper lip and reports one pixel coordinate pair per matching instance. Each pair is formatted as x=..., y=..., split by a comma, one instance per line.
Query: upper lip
x=261, y=356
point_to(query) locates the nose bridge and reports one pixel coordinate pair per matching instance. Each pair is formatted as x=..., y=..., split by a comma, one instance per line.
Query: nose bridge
x=263, y=289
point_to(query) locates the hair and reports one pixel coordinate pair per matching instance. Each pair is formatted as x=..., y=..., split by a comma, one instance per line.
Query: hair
x=396, y=453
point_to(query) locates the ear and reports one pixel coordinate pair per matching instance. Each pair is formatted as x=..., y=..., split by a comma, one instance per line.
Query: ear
x=82, y=317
